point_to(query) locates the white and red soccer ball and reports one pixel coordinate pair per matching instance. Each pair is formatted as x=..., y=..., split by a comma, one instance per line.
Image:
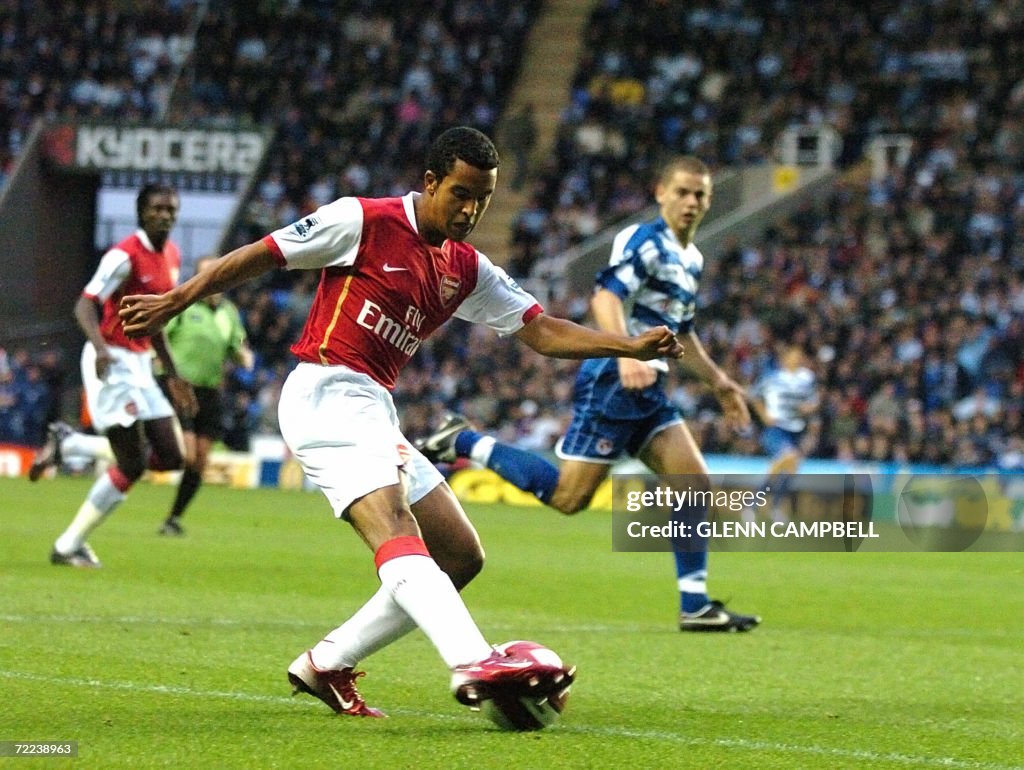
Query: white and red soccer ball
x=523, y=713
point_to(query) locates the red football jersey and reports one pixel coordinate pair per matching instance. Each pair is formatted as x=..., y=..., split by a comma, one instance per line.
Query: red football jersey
x=133, y=266
x=384, y=289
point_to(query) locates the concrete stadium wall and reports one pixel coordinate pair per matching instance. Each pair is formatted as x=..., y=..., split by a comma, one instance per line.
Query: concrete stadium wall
x=46, y=250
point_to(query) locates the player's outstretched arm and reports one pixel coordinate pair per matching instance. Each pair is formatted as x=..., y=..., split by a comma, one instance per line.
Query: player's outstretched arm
x=145, y=314
x=560, y=338
x=730, y=394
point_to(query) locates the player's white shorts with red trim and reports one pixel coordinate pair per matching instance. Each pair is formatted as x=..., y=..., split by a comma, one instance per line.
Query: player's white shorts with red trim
x=127, y=394
x=342, y=427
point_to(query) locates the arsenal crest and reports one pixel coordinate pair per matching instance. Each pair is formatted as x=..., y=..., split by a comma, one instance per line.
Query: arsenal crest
x=450, y=286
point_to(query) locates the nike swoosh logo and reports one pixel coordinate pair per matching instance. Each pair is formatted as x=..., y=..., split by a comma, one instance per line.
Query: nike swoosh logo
x=515, y=663
x=346, y=705
x=715, y=620
x=389, y=269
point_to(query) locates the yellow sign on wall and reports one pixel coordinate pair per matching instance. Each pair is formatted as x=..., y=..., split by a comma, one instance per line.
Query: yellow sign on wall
x=785, y=179
x=484, y=486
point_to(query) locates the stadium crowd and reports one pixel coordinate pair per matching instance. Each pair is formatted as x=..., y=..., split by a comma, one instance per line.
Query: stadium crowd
x=723, y=80
x=356, y=96
x=86, y=60
x=907, y=290
x=30, y=386
x=908, y=294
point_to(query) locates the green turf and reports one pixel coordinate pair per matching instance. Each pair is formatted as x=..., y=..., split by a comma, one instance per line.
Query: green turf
x=173, y=654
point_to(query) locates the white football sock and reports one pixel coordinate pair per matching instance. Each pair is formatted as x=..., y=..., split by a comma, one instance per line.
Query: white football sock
x=374, y=626
x=481, y=451
x=428, y=596
x=84, y=445
x=694, y=583
x=101, y=500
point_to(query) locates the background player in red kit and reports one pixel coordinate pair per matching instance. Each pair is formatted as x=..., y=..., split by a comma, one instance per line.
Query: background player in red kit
x=125, y=402
x=394, y=270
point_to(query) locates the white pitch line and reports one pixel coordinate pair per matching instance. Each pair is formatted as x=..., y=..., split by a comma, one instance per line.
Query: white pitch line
x=822, y=751
x=228, y=623
x=140, y=620
x=626, y=627
x=608, y=732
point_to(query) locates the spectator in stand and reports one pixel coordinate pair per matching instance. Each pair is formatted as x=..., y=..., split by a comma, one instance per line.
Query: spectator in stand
x=520, y=137
x=11, y=419
x=86, y=60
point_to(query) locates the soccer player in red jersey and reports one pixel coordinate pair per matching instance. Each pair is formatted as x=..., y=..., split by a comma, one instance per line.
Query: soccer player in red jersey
x=393, y=270
x=125, y=402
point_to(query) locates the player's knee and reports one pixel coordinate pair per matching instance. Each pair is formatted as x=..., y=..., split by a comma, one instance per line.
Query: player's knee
x=460, y=564
x=700, y=480
x=574, y=507
x=167, y=460
x=570, y=503
x=470, y=565
x=132, y=468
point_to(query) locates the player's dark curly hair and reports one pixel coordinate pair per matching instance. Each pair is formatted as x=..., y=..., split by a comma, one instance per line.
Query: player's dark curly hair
x=461, y=143
x=148, y=191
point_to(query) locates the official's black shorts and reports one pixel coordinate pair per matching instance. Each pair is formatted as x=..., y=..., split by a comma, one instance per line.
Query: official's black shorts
x=209, y=419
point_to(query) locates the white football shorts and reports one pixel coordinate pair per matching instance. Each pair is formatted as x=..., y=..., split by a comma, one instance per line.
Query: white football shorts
x=127, y=394
x=342, y=427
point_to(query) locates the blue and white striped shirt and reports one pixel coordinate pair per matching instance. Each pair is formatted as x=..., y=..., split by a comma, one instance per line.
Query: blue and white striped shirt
x=656, y=277
x=784, y=392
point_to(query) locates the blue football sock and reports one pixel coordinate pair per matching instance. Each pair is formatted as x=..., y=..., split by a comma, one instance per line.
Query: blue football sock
x=526, y=470
x=692, y=563
x=464, y=442
x=783, y=482
x=692, y=568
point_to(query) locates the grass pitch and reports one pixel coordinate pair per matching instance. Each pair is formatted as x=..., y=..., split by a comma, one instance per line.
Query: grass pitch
x=174, y=654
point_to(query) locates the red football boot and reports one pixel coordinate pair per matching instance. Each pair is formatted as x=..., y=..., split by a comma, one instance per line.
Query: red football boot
x=336, y=688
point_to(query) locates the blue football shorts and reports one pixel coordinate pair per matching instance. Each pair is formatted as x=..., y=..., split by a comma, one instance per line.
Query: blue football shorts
x=610, y=421
x=779, y=441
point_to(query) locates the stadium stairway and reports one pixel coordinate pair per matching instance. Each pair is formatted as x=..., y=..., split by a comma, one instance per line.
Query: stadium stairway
x=549, y=63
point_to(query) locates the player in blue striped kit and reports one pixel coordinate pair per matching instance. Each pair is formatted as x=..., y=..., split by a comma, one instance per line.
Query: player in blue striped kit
x=620, y=406
x=784, y=399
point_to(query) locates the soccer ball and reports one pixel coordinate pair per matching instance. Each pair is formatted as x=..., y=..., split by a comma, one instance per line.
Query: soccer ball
x=524, y=713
